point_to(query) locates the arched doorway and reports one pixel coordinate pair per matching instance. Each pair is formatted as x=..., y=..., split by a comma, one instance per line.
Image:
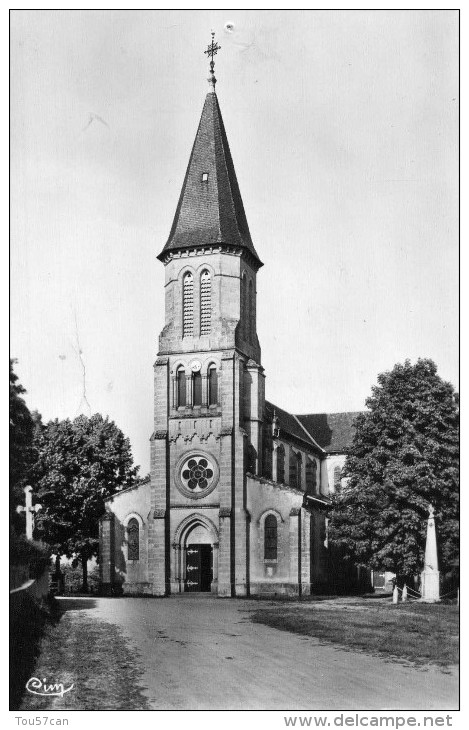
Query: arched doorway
x=196, y=556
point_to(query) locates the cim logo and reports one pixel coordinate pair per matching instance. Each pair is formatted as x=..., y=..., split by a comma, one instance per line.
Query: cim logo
x=38, y=687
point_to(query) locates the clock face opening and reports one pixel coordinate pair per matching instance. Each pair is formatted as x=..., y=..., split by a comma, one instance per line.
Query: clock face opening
x=196, y=475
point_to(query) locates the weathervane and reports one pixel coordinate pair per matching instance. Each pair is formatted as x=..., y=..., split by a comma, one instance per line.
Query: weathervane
x=211, y=51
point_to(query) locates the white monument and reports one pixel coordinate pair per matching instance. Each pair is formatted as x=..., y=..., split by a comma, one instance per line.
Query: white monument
x=30, y=511
x=430, y=577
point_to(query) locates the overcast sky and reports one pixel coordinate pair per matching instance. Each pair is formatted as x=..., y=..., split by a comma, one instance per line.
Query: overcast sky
x=343, y=130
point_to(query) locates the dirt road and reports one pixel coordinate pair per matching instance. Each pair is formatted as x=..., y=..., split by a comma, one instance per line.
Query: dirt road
x=204, y=653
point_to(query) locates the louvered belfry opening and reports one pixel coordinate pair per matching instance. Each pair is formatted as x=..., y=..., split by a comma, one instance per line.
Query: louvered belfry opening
x=205, y=303
x=188, y=305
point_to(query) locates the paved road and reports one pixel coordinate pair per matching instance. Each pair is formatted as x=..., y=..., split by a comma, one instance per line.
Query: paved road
x=204, y=653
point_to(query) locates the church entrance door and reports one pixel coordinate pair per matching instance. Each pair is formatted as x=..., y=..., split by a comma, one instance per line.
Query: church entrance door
x=198, y=568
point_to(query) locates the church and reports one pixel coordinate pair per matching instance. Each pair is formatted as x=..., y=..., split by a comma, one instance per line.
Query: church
x=238, y=496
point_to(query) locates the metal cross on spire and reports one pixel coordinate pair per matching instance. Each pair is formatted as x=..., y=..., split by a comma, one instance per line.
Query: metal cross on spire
x=212, y=51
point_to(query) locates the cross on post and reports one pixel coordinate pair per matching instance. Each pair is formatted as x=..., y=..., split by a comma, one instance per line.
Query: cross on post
x=29, y=510
x=212, y=51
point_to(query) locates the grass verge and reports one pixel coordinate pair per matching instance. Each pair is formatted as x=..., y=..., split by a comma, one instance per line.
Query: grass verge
x=96, y=658
x=26, y=631
x=420, y=633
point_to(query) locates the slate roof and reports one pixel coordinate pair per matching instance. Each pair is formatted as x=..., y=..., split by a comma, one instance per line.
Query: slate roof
x=212, y=212
x=333, y=431
x=288, y=423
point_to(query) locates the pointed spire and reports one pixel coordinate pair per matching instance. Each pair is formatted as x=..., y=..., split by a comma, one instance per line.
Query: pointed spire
x=210, y=211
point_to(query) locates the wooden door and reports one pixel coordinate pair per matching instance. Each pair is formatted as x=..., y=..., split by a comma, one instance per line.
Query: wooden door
x=198, y=568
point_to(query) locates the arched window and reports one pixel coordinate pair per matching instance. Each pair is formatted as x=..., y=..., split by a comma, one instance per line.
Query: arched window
x=133, y=540
x=281, y=464
x=337, y=472
x=293, y=463
x=299, y=471
x=311, y=475
x=181, y=387
x=196, y=389
x=188, y=305
x=212, y=386
x=205, y=302
x=270, y=538
x=267, y=452
x=250, y=313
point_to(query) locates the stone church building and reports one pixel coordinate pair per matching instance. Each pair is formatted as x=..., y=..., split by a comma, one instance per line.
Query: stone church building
x=239, y=491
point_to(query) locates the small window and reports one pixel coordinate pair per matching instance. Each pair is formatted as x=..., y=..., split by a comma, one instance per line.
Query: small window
x=311, y=475
x=197, y=389
x=293, y=464
x=299, y=470
x=133, y=540
x=270, y=538
x=181, y=387
x=267, y=452
x=281, y=464
x=205, y=177
x=212, y=386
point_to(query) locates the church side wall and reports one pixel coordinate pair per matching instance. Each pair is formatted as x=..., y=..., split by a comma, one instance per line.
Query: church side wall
x=279, y=575
x=131, y=576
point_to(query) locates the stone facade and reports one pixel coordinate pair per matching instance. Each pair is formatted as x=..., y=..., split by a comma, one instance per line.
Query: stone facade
x=238, y=495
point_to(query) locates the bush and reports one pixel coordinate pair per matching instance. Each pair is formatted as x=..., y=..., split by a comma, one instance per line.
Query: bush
x=28, y=552
x=28, y=620
x=73, y=577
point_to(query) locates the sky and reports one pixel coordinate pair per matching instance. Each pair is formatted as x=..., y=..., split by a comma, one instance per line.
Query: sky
x=343, y=127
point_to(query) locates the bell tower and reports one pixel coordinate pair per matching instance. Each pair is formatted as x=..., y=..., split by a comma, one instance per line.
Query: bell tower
x=209, y=382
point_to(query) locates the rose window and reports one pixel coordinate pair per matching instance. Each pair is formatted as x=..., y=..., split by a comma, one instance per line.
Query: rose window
x=197, y=474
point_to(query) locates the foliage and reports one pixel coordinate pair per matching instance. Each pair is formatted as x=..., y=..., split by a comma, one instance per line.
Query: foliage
x=31, y=553
x=404, y=457
x=21, y=441
x=23, y=550
x=80, y=464
x=73, y=578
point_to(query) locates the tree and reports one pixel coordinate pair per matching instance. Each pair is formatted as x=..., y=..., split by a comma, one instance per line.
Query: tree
x=21, y=443
x=79, y=465
x=404, y=457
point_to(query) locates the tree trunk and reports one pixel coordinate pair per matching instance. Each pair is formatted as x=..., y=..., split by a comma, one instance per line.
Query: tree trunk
x=84, y=564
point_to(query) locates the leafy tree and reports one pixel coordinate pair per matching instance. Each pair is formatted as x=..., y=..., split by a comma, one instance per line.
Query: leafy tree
x=21, y=442
x=80, y=464
x=404, y=457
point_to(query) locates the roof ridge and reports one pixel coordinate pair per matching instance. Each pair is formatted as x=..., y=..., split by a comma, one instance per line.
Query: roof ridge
x=214, y=103
x=231, y=201
x=326, y=413
x=307, y=432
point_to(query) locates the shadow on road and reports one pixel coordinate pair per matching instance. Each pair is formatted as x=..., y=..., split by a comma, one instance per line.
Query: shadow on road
x=75, y=604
